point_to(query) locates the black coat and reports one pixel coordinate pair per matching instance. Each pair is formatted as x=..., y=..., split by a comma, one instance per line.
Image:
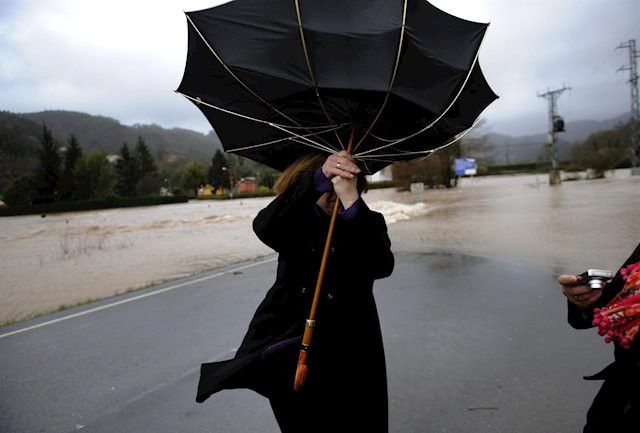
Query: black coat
x=617, y=405
x=347, y=373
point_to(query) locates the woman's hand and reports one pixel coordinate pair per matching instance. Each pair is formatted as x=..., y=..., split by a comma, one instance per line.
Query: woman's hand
x=346, y=190
x=340, y=164
x=577, y=293
x=341, y=168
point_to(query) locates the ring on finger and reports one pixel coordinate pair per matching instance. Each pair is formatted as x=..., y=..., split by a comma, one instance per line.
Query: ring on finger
x=577, y=297
x=338, y=165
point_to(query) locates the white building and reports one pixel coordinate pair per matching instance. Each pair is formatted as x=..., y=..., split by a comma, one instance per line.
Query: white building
x=382, y=175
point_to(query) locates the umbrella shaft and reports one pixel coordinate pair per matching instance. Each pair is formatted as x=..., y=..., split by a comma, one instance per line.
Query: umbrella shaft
x=301, y=370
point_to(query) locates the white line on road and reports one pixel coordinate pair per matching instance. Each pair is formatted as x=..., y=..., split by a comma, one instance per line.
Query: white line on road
x=135, y=298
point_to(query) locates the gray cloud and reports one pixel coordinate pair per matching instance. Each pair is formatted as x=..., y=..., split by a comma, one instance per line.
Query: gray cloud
x=124, y=59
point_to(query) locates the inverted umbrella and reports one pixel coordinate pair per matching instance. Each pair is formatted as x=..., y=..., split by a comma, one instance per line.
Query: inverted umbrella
x=392, y=79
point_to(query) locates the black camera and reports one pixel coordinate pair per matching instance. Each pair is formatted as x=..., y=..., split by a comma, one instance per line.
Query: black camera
x=595, y=278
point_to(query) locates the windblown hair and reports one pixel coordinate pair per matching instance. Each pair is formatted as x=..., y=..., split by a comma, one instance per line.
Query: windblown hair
x=309, y=163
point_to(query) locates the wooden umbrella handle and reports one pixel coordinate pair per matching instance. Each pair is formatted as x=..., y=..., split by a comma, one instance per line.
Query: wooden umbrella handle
x=302, y=367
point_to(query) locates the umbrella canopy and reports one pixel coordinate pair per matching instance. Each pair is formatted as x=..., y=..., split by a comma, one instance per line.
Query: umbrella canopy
x=280, y=78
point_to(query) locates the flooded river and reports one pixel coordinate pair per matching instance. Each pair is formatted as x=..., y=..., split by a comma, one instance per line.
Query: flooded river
x=72, y=257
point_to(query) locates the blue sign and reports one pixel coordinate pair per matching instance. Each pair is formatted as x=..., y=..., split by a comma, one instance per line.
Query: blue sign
x=465, y=167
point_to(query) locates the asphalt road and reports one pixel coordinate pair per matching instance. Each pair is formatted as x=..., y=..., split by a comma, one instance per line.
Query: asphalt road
x=472, y=345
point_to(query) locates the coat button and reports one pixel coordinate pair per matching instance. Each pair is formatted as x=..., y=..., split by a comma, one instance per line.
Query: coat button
x=330, y=296
x=303, y=290
x=332, y=249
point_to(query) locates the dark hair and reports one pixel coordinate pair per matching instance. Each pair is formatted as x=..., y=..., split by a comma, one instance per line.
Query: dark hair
x=310, y=163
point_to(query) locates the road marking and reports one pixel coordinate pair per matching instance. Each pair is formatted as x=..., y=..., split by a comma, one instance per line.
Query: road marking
x=135, y=298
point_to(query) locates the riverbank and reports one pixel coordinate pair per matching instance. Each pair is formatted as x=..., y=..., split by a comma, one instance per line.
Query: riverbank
x=65, y=259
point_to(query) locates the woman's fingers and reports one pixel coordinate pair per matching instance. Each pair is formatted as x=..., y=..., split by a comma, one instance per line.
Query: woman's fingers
x=339, y=172
x=586, y=299
x=570, y=291
x=568, y=280
x=581, y=295
x=577, y=292
x=346, y=189
x=340, y=165
x=345, y=164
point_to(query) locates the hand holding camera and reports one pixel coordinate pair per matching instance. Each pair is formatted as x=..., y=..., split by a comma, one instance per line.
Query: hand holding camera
x=584, y=289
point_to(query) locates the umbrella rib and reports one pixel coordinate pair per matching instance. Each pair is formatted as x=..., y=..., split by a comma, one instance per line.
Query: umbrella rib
x=367, y=167
x=286, y=138
x=391, y=81
x=377, y=159
x=458, y=137
x=311, y=74
x=428, y=152
x=310, y=143
x=475, y=60
x=322, y=148
x=382, y=139
x=242, y=83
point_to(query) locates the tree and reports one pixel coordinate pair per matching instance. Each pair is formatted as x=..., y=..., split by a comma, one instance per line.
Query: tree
x=604, y=150
x=267, y=176
x=21, y=191
x=219, y=178
x=19, y=143
x=126, y=172
x=94, y=176
x=48, y=170
x=437, y=169
x=146, y=164
x=149, y=182
x=71, y=157
x=434, y=170
x=149, y=185
x=192, y=177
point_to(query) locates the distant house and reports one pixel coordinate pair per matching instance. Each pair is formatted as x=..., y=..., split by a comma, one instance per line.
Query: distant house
x=205, y=191
x=247, y=185
x=382, y=175
x=113, y=157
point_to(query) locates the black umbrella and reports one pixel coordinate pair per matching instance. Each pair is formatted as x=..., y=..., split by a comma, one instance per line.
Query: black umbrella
x=393, y=79
x=279, y=78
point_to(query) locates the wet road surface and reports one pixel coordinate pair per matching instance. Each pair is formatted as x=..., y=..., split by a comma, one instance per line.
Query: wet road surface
x=472, y=344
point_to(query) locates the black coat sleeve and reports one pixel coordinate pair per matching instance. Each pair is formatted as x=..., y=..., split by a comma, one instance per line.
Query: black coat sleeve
x=581, y=318
x=279, y=224
x=366, y=242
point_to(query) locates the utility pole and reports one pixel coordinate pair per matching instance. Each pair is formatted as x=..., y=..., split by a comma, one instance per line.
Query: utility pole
x=632, y=67
x=556, y=124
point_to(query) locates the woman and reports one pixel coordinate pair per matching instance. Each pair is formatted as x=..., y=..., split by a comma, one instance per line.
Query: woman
x=346, y=387
x=616, y=407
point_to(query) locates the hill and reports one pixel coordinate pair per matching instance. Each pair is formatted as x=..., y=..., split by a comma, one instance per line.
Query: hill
x=18, y=146
x=107, y=134
x=20, y=139
x=20, y=133
x=527, y=148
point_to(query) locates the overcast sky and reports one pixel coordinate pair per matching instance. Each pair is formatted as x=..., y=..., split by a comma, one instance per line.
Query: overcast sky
x=123, y=59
